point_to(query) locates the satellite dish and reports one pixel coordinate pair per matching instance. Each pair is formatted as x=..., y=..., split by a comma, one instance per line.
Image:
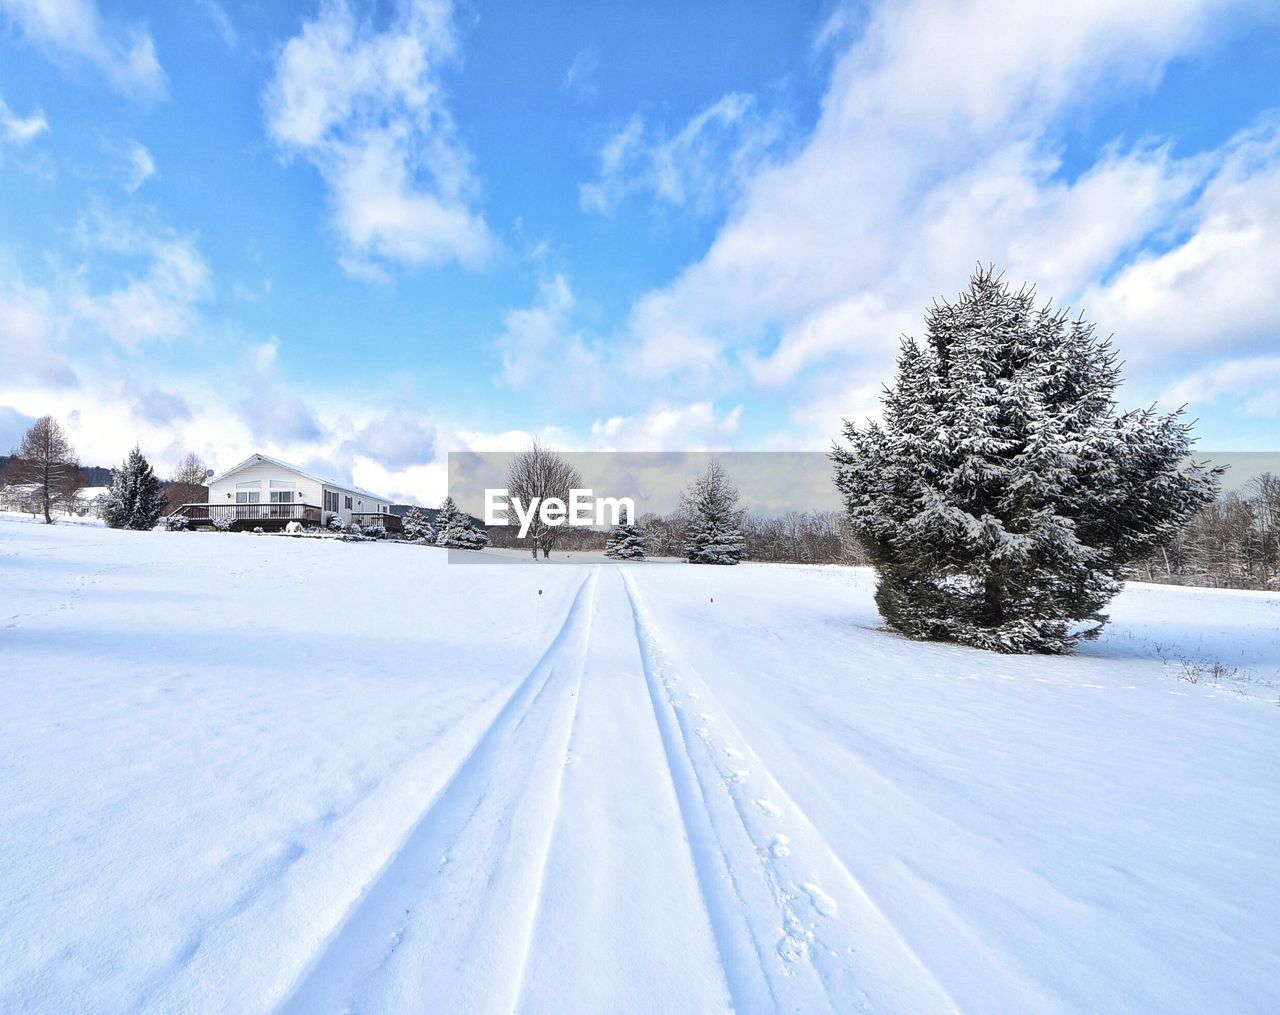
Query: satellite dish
x=208, y=473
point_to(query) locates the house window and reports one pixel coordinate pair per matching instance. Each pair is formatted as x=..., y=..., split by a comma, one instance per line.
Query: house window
x=331, y=500
x=348, y=503
x=247, y=497
x=281, y=496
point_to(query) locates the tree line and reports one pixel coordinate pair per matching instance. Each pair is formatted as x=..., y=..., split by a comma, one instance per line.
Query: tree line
x=43, y=475
x=1233, y=543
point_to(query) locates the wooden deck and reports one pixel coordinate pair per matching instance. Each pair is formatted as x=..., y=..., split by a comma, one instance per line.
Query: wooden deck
x=392, y=523
x=274, y=517
x=246, y=517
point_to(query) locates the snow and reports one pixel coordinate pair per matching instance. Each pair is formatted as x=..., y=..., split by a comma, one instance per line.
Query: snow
x=248, y=773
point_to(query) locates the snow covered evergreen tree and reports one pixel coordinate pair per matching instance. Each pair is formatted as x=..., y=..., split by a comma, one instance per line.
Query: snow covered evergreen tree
x=1003, y=498
x=416, y=526
x=456, y=530
x=449, y=525
x=136, y=500
x=714, y=535
x=473, y=536
x=626, y=542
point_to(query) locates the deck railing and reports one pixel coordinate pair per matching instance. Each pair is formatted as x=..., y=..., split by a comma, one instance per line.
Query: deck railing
x=307, y=514
x=391, y=523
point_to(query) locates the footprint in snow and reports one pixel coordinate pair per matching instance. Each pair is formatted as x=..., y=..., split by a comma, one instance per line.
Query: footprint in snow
x=793, y=948
x=769, y=807
x=780, y=846
x=819, y=899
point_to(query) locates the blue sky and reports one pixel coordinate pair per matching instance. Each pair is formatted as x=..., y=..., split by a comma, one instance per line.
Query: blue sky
x=359, y=235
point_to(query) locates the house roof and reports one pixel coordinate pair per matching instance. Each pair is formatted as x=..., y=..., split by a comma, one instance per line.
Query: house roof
x=254, y=459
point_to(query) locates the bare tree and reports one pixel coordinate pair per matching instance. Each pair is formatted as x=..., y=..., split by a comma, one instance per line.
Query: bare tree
x=541, y=473
x=1232, y=543
x=186, y=485
x=46, y=462
x=1265, y=494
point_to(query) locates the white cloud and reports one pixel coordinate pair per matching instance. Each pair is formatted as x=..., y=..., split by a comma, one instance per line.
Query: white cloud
x=125, y=55
x=159, y=303
x=935, y=149
x=1252, y=383
x=19, y=130
x=141, y=166
x=542, y=350
x=1213, y=290
x=221, y=21
x=691, y=427
x=367, y=109
x=701, y=166
x=229, y=398
x=580, y=79
x=31, y=334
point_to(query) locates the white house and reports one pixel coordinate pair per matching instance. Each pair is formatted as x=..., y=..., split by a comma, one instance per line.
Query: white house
x=264, y=491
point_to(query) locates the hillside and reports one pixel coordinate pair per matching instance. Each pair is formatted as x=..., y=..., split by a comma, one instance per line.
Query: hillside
x=231, y=783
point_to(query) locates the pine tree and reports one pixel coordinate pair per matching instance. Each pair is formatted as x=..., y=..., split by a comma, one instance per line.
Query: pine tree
x=714, y=535
x=456, y=530
x=416, y=526
x=473, y=536
x=1003, y=498
x=136, y=500
x=448, y=523
x=626, y=542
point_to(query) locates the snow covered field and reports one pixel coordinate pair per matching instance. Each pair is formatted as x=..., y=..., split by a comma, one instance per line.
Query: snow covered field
x=245, y=773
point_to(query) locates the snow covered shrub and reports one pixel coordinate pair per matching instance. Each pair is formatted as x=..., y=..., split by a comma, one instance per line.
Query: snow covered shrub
x=714, y=534
x=333, y=521
x=1003, y=498
x=135, y=500
x=223, y=524
x=626, y=542
x=258, y=529
x=177, y=523
x=375, y=531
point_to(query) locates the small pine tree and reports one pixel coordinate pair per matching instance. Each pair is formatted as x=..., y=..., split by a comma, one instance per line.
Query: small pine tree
x=136, y=500
x=416, y=525
x=473, y=537
x=448, y=523
x=713, y=535
x=456, y=530
x=626, y=542
x=1004, y=498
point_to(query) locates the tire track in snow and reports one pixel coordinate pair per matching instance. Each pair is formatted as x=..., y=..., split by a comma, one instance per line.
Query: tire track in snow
x=796, y=930
x=621, y=925
x=447, y=922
